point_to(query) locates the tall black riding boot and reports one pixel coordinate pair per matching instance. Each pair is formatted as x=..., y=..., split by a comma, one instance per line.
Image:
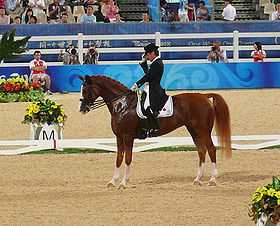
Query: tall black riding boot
x=153, y=122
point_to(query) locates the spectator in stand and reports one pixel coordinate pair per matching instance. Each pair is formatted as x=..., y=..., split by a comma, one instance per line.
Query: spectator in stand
x=182, y=11
x=4, y=19
x=13, y=7
x=118, y=18
x=191, y=14
x=32, y=20
x=88, y=18
x=109, y=10
x=2, y=3
x=27, y=15
x=90, y=2
x=37, y=6
x=38, y=72
x=92, y=55
x=55, y=11
x=17, y=20
x=217, y=54
x=202, y=13
x=98, y=14
x=229, y=12
x=64, y=18
x=276, y=14
x=145, y=18
x=258, y=54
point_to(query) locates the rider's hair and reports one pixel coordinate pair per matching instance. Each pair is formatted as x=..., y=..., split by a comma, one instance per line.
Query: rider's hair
x=156, y=52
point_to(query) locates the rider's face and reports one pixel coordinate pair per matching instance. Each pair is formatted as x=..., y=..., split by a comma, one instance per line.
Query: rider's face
x=151, y=56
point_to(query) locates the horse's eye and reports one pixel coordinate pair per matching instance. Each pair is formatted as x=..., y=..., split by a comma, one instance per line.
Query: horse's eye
x=81, y=99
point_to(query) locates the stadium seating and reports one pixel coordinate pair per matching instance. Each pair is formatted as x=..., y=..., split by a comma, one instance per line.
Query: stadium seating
x=132, y=10
x=245, y=9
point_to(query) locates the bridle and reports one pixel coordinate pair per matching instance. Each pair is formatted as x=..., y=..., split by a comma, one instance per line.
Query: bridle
x=95, y=104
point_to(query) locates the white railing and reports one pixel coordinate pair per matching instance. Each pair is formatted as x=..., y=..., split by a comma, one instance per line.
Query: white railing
x=80, y=38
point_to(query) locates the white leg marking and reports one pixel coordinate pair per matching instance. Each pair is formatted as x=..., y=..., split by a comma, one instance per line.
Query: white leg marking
x=214, y=173
x=113, y=181
x=200, y=172
x=125, y=179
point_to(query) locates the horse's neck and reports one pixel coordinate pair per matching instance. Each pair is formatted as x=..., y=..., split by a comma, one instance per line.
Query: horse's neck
x=110, y=92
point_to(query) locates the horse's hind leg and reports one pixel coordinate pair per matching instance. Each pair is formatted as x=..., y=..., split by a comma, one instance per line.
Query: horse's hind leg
x=120, y=154
x=212, y=154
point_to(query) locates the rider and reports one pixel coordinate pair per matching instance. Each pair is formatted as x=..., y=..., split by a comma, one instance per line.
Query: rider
x=152, y=77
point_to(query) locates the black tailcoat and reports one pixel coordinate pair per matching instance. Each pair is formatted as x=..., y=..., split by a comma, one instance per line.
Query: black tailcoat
x=153, y=76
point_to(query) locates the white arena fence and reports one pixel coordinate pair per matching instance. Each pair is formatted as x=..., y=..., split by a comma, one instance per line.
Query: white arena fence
x=109, y=144
x=80, y=38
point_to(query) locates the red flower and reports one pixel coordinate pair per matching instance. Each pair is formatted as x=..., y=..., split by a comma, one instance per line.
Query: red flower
x=36, y=85
x=17, y=87
x=8, y=87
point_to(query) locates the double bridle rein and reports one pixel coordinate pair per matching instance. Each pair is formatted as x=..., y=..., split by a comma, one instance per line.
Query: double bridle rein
x=92, y=105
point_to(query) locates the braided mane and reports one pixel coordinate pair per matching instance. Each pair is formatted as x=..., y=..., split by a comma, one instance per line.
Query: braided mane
x=116, y=83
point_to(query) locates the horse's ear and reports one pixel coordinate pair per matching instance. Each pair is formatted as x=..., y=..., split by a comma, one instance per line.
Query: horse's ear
x=88, y=80
x=81, y=78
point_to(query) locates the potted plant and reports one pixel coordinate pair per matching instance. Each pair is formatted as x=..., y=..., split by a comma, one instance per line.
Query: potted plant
x=265, y=204
x=17, y=89
x=45, y=115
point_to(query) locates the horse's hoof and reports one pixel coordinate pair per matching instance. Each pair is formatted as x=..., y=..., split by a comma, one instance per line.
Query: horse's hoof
x=121, y=187
x=197, y=182
x=111, y=185
x=212, y=182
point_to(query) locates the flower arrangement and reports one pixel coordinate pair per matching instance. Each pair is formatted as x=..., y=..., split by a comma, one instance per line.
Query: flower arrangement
x=265, y=202
x=44, y=111
x=17, y=89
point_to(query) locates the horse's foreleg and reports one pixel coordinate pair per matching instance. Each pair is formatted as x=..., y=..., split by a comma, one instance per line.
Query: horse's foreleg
x=128, y=159
x=120, y=154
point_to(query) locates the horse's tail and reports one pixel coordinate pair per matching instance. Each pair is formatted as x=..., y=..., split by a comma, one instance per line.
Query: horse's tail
x=222, y=124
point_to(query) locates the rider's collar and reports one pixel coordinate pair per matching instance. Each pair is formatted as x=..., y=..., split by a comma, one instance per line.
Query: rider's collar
x=155, y=59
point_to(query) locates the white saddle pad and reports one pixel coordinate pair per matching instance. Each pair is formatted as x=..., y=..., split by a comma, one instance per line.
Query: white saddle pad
x=166, y=111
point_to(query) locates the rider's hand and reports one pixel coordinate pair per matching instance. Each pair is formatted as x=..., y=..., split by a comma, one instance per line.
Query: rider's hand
x=134, y=87
x=144, y=58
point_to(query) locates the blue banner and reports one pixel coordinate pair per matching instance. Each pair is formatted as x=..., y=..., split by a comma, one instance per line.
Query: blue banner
x=176, y=76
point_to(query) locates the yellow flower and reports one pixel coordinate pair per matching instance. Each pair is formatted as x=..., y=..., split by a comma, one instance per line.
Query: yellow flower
x=33, y=108
x=60, y=119
x=54, y=106
x=2, y=81
x=257, y=196
x=262, y=190
x=271, y=192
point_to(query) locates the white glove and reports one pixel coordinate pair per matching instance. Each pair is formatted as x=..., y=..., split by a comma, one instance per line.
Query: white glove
x=144, y=58
x=134, y=87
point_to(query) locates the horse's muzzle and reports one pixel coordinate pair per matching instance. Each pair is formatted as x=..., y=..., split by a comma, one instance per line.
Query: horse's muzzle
x=84, y=108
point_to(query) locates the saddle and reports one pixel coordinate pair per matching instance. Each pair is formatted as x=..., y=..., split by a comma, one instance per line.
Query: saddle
x=144, y=102
x=149, y=124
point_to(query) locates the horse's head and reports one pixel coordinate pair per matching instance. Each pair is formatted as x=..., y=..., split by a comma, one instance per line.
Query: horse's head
x=89, y=93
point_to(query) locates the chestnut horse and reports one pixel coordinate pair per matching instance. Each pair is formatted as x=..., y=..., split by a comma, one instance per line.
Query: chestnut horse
x=195, y=111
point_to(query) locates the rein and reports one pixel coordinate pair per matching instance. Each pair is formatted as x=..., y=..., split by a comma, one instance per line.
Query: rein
x=100, y=103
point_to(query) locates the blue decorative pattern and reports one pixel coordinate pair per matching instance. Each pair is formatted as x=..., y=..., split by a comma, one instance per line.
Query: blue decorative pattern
x=176, y=76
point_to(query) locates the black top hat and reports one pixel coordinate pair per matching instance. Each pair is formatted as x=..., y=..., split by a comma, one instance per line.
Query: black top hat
x=150, y=48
